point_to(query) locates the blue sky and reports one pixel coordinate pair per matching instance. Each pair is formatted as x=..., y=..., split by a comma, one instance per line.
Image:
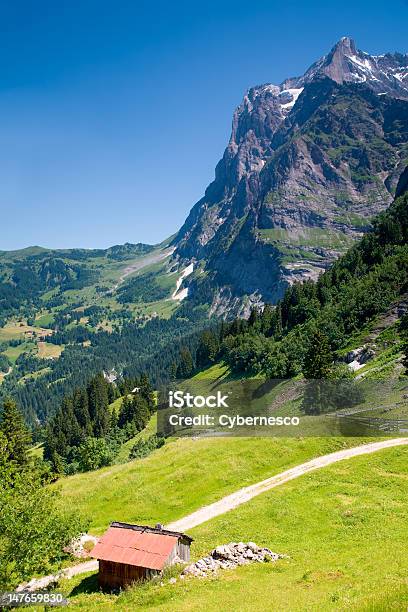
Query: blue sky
x=114, y=114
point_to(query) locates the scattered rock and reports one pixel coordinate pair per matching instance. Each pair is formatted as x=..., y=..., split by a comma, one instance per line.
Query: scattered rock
x=229, y=556
x=359, y=357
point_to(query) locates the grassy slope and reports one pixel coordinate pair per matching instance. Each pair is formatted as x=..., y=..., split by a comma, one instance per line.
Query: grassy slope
x=148, y=431
x=344, y=528
x=164, y=486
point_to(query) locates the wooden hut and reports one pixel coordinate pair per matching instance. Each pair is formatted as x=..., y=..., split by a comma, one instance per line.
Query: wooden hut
x=129, y=553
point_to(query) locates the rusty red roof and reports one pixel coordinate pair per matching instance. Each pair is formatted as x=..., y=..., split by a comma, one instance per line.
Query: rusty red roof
x=136, y=545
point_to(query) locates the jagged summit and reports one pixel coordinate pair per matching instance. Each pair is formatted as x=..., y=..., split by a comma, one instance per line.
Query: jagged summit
x=385, y=74
x=345, y=43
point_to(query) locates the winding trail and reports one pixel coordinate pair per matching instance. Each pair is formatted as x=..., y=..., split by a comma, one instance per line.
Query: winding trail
x=232, y=501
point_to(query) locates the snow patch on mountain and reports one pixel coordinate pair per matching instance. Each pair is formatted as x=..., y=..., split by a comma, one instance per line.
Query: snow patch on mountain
x=291, y=95
x=181, y=295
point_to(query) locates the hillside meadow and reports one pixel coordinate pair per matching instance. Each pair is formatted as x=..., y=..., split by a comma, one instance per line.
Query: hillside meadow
x=184, y=475
x=343, y=527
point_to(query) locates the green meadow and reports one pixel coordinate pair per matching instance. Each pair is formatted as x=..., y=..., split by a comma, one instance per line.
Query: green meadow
x=164, y=486
x=343, y=527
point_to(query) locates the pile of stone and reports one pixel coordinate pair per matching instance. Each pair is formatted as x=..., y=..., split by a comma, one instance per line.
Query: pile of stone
x=229, y=556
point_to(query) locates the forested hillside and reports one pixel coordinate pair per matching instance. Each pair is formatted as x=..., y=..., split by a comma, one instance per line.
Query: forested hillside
x=35, y=277
x=359, y=286
x=77, y=313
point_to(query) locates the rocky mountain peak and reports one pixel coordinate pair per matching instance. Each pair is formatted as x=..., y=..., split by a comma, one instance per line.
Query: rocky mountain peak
x=386, y=74
x=309, y=162
x=345, y=46
x=265, y=107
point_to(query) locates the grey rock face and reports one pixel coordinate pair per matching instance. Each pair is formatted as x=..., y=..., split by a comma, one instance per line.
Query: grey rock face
x=309, y=162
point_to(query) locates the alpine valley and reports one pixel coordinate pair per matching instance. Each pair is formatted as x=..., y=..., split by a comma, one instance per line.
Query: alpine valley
x=309, y=163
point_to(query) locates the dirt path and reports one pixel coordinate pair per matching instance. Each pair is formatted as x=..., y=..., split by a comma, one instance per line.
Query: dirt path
x=230, y=502
x=36, y=584
x=243, y=495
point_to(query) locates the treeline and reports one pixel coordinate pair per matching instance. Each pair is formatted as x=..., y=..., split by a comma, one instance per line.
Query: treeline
x=276, y=340
x=86, y=432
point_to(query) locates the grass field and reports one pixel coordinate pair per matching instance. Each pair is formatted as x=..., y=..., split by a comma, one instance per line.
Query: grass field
x=15, y=330
x=44, y=320
x=13, y=352
x=308, y=237
x=216, y=372
x=37, y=451
x=343, y=527
x=46, y=350
x=34, y=375
x=163, y=308
x=163, y=486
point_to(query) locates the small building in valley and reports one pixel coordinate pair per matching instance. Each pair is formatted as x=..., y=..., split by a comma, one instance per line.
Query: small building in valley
x=129, y=553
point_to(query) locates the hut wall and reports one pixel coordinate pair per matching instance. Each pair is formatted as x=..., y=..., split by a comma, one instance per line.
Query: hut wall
x=183, y=550
x=117, y=575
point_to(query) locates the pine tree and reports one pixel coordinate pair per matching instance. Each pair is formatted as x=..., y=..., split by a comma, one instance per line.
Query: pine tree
x=141, y=412
x=125, y=411
x=317, y=367
x=208, y=348
x=186, y=363
x=173, y=371
x=15, y=432
x=57, y=463
x=319, y=358
x=253, y=320
x=81, y=411
x=98, y=403
x=266, y=319
x=147, y=391
x=276, y=323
